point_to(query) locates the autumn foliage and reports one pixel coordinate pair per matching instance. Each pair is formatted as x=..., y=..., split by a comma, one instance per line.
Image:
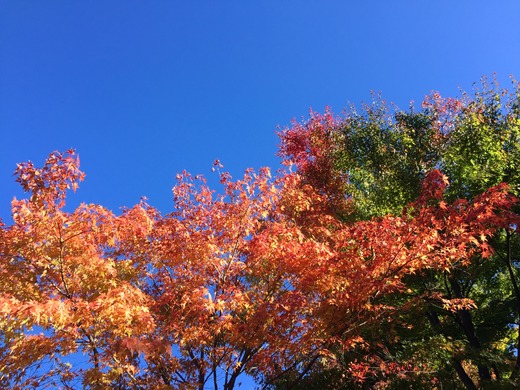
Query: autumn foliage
x=266, y=278
x=455, y=324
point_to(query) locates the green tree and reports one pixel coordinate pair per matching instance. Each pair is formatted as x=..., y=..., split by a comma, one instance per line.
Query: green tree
x=380, y=157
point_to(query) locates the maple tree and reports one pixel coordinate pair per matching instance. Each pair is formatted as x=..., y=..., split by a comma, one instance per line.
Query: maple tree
x=275, y=278
x=380, y=158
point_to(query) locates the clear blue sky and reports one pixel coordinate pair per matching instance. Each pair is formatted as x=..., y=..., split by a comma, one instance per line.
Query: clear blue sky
x=145, y=89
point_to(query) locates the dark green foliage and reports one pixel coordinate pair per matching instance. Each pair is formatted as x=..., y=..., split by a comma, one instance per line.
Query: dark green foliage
x=385, y=154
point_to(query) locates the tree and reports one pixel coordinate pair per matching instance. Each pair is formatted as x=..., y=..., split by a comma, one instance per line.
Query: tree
x=272, y=278
x=381, y=157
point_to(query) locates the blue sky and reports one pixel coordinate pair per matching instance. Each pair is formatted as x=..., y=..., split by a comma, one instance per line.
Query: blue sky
x=143, y=90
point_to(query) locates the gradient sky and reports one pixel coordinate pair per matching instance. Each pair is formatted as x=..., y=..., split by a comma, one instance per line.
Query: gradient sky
x=145, y=89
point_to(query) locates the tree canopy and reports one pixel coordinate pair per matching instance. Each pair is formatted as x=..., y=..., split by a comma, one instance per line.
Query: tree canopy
x=387, y=256
x=379, y=157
